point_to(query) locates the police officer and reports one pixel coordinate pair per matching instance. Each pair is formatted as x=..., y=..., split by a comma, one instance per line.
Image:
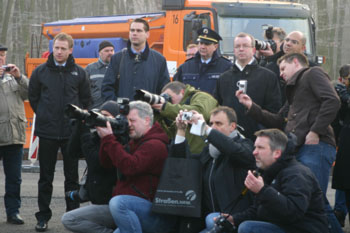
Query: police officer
x=205, y=67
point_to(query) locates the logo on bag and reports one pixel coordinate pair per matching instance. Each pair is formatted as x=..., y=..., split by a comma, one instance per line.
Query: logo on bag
x=190, y=195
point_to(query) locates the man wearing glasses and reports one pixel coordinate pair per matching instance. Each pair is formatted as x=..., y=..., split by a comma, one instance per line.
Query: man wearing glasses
x=203, y=70
x=262, y=84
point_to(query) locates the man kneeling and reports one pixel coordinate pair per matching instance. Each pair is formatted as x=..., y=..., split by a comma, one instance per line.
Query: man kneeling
x=288, y=196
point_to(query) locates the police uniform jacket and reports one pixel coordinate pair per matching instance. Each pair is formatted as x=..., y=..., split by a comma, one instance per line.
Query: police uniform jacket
x=201, y=75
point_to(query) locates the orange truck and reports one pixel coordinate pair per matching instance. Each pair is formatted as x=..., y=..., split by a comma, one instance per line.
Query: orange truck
x=172, y=29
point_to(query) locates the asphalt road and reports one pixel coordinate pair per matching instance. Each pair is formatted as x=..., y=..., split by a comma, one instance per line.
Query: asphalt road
x=29, y=202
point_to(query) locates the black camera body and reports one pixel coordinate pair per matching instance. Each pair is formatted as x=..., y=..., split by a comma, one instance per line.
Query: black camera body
x=6, y=68
x=150, y=98
x=222, y=225
x=263, y=45
x=119, y=124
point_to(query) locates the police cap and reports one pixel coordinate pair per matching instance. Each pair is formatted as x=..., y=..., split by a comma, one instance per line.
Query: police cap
x=2, y=48
x=207, y=35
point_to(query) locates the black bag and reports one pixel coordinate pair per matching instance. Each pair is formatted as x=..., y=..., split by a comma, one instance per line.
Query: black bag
x=179, y=190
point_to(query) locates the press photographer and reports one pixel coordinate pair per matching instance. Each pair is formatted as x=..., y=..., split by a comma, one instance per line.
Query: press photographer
x=288, y=197
x=141, y=166
x=183, y=97
x=225, y=162
x=99, y=180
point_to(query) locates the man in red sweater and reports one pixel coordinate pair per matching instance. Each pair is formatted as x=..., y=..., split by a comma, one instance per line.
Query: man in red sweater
x=141, y=166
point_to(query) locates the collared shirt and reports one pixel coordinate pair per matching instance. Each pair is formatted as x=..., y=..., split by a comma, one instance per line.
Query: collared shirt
x=242, y=68
x=58, y=64
x=135, y=52
x=205, y=61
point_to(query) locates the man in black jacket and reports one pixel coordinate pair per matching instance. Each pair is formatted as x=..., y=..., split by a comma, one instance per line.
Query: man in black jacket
x=52, y=86
x=225, y=161
x=288, y=197
x=262, y=84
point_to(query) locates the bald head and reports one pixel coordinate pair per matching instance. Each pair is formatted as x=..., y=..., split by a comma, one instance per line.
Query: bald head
x=295, y=42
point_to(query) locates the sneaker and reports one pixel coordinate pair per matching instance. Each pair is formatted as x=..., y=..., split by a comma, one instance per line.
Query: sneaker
x=41, y=226
x=15, y=219
x=340, y=216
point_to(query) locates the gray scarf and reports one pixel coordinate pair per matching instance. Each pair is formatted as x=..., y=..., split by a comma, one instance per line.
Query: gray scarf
x=214, y=152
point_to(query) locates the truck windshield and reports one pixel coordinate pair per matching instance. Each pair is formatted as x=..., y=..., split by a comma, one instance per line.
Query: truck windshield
x=229, y=27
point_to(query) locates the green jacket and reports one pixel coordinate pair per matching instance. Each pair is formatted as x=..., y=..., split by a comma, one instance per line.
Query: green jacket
x=193, y=99
x=12, y=116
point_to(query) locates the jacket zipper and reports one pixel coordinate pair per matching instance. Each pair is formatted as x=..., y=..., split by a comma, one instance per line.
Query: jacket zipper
x=210, y=190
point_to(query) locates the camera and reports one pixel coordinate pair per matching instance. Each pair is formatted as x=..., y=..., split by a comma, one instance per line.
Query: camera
x=7, y=68
x=74, y=112
x=242, y=85
x=222, y=225
x=151, y=98
x=186, y=116
x=263, y=45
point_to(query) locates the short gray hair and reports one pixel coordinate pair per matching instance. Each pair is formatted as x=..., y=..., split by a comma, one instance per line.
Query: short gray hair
x=143, y=109
x=278, y=139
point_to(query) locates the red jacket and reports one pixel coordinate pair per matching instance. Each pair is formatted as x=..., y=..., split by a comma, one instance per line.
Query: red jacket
x=141, y=167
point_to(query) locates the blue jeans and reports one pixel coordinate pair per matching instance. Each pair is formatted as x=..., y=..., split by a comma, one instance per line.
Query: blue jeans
x=12, y=156
x=209, y=221
x=133, y=214
x=259, y=227
x=340, y=202
x=319, y=158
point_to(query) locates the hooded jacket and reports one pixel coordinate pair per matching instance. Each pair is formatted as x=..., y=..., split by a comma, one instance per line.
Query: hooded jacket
x=141, y=167
x=51, y=88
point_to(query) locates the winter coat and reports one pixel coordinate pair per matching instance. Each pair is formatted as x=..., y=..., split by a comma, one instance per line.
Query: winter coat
x=141, y=167
x=312, y=104
x=340, y=178
x=130, y=72
x=96, y=73
x=12, y=116
x=200, y=75
x=291, y=198
x=223, y=178
x=51, y=88
x=193, y=99
x=263, y=88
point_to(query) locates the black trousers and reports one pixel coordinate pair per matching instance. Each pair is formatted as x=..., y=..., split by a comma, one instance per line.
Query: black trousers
x=48, y=149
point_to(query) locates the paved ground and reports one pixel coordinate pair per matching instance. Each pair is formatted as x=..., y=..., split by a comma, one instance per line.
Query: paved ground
x=29, y=202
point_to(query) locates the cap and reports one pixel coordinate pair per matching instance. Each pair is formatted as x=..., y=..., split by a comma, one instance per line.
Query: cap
x=208, y=35
x=111, y=106
x=105, y=44
x=2, y=48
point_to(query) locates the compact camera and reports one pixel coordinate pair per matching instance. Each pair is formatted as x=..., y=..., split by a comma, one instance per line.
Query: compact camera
x=7, y=68
x=186, y=116
x=242, y=85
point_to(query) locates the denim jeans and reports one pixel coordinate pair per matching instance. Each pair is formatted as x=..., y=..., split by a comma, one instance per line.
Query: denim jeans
x=340, y=202
x=12, y=156
x=209, y=221
x=319, y=158
x=259, y=227
x=133, y=215
x=89, y=219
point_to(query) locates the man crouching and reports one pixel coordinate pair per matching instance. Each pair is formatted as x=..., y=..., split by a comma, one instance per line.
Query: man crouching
x=141, y=166
x=288, y=196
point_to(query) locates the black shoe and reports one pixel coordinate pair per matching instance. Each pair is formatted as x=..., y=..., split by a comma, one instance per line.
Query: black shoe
x=340, y=216
x=41, y=226
x=15, y=219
